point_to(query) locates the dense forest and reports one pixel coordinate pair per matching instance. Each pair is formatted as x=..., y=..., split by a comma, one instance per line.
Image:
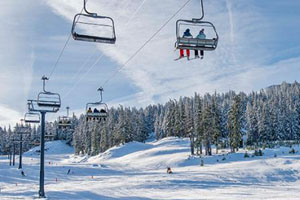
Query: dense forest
x=227, y=120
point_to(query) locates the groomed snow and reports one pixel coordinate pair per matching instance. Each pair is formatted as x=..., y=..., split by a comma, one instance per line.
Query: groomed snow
x=138, y=171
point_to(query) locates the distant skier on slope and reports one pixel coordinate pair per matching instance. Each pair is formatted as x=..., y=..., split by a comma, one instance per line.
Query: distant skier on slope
x=169, y=171
x=22, y=172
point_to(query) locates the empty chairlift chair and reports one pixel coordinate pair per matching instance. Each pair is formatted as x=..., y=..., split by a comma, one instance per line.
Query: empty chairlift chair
x=23, y=129
x=48, y=99
x=97, y=111
x=91, y=27
x=32, y=117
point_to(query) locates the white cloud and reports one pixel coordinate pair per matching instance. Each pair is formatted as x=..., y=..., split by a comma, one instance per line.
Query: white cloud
x=237, y=64
x=16, y=59
x=9, y=116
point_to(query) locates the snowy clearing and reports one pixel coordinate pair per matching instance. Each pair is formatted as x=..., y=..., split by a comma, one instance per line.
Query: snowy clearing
x=138, y=171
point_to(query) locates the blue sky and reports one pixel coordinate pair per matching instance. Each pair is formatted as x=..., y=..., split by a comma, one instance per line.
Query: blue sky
x=259, y=46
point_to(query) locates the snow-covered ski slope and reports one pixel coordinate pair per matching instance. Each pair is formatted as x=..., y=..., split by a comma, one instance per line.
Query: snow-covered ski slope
x=138, y=171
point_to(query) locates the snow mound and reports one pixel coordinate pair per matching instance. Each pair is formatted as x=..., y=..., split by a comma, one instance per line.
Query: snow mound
x=153, y=155
x=122, y=150
x=53, y=147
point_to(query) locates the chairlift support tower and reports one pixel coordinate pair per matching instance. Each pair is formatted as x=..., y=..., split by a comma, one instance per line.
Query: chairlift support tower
x=47, y=102
x=23, y=130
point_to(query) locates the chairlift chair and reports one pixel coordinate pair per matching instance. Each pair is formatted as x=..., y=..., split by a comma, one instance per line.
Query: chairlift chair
x=32, y=117
x=49, y=137
x=23, y=130
x=48, y=99
x=207, y=44
x=36, y=143
x=94, y=21
x=97, y=111
x=64, y=121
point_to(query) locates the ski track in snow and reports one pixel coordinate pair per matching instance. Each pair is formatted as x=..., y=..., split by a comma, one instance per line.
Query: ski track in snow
x=137, y=171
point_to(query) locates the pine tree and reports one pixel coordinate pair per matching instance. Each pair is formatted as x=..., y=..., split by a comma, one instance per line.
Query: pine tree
x=189, y=123
x=216, y=122
x=169, y=119
x=103, y=144
x=252, y=125
x=297, y=122
x=207, y=126
x=264, y=125
x=198, y=121
x=235, y=124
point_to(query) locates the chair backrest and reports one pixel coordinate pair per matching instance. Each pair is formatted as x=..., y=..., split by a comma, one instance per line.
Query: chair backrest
x=48, y=99
x=64, y=121
x=23, y=130
x=99, y=29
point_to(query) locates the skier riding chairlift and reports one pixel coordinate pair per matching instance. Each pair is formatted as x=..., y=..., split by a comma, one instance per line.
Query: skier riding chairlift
x=186, y=34
x=201, y=35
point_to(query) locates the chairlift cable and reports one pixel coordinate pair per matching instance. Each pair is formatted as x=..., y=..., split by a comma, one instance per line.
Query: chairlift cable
x=62, y=51
x=60, y=55
x=84, y=75
x=98, y=59
x=120, y=68
x=87, y=60
x=147, y=41
x=135, y=12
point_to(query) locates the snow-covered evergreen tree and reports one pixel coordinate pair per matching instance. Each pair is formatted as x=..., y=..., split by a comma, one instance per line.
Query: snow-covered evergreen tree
x=235, y=124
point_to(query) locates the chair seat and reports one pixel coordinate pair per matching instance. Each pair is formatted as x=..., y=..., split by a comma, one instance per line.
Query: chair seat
x=49, y=104
x=196, y=44
x=89, y=38
x=64, y=124
x=100, y=114
x=32, y=121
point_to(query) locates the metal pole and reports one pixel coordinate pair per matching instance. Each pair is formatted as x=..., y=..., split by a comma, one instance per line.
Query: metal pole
x=21, y=150
x=192, y=144
x=9, y=157
x=42, y=158
x=67, y=110
x=14, y=153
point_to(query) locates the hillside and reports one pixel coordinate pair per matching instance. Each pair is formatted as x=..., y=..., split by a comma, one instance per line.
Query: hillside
x=138, y=171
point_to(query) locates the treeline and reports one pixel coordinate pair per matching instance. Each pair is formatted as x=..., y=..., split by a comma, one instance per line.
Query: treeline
x=227, y=120
x=9, y=138
x=224, y=120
